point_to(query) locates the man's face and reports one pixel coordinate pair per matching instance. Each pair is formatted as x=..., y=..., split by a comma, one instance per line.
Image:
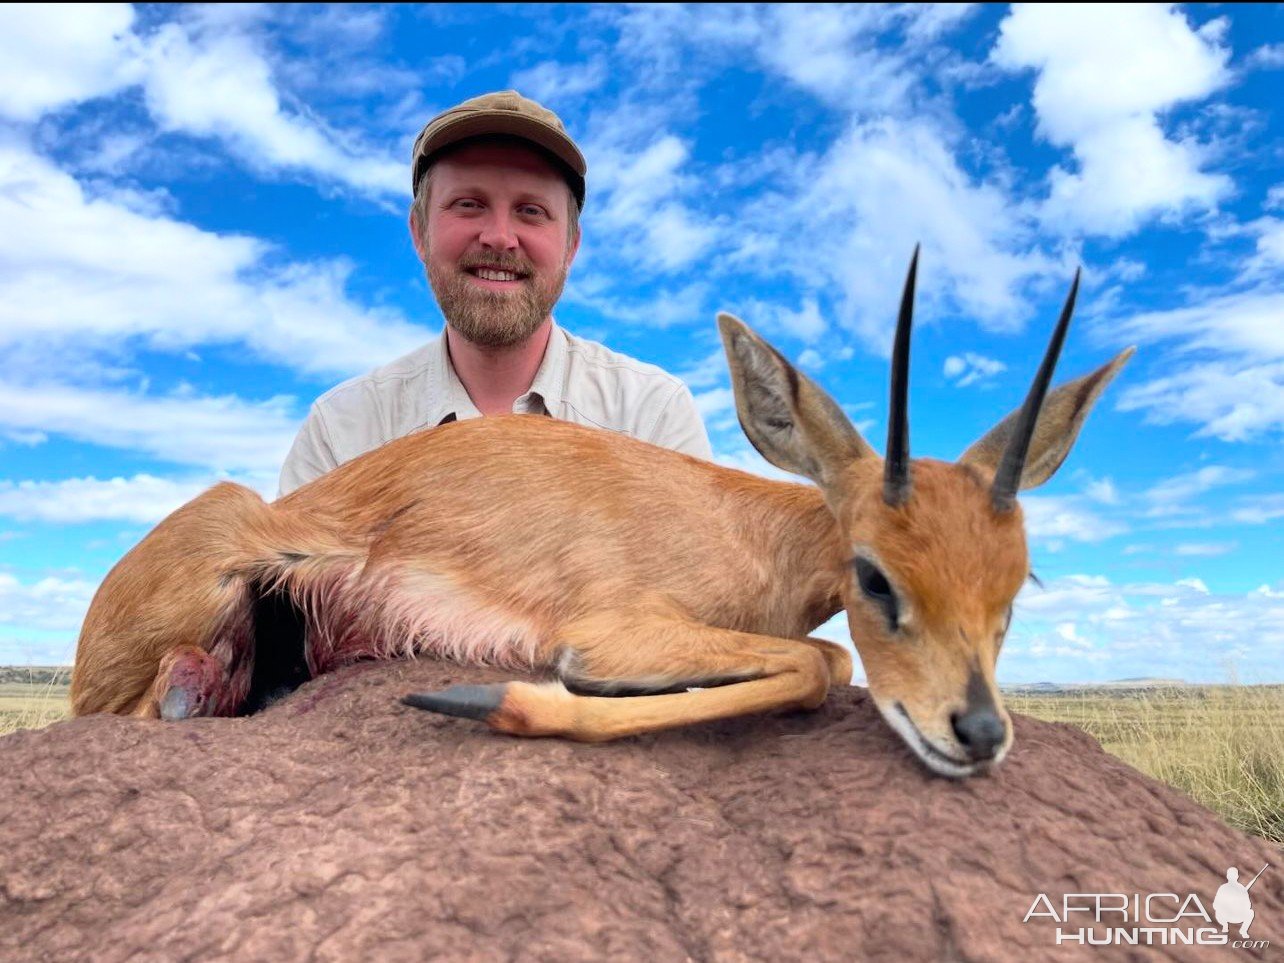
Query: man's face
x=495, y=244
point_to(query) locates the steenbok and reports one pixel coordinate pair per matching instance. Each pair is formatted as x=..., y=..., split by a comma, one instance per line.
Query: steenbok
x=631, y=573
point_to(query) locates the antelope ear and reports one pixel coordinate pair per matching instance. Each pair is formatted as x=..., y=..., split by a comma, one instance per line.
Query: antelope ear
x=794, y=424
x=1063, y=413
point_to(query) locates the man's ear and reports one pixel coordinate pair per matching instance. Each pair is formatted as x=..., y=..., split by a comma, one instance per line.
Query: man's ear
x=416, y=236
x=1063, y=413
x=794, y=424
x=573, y=248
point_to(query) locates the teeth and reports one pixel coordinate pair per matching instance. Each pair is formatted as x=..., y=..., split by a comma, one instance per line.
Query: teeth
x=489, y=275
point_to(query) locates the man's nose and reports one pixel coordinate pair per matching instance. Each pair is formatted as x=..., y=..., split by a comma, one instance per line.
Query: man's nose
x=497, y=231
x=980, y=732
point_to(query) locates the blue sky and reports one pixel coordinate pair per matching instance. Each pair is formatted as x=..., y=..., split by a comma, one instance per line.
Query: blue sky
x=204, y=210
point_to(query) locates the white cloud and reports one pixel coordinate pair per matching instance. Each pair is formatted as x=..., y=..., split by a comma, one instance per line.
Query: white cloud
x=1229, y=401
x=970, y=368
x=638, y=182
x=1204, y=549
x=806, y=324
x=814, y=360
x=890, y=180
x=551, y=83
x=831, y=50
x=1106, y=74
x=1259, y=509
x=811, y=359
x=1173, y=495
x=708, y=371
x=1055, y=517
x=661, y=307
x=142, y=498
x=775, y=320
x=27, y=438
x=201, y=74
x=54, y=54
x=1269, y=56
x=219, y=84
x=745, y=458
x=1226, y=368
x=714, y=401
x=1102, y=490
x=1068, y=633
x=885, y=186
x=836, y=52
x=1180, y=629
x=92, y=272
x=224, y=434
x=52, y=603
x=1270, y=245
x=1244, y=323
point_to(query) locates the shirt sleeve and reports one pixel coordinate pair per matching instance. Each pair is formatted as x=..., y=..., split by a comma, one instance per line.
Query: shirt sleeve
x=680, y=426
x=310, y=457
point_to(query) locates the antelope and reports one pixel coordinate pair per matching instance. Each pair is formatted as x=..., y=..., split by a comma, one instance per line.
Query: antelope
x=658, y=589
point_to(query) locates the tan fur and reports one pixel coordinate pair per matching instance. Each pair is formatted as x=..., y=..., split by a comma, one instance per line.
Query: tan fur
x=620, y=566
x=536, y=524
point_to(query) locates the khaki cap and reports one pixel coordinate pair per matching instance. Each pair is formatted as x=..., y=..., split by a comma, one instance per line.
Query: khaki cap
x=503, y=112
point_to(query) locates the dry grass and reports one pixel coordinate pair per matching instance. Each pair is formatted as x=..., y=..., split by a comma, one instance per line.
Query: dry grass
x=33, y=698
x=1221, y=745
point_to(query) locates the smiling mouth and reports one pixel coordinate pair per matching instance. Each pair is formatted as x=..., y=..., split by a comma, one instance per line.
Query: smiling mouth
x=492, y=275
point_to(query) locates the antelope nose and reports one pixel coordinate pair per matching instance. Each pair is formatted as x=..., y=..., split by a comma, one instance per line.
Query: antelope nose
x=980, y=732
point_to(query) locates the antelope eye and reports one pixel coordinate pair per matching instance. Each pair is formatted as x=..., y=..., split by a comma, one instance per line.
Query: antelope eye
x=877, y=589
x=872, y=582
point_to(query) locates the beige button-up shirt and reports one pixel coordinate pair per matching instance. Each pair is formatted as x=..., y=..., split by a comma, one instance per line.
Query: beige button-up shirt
x=578, y=380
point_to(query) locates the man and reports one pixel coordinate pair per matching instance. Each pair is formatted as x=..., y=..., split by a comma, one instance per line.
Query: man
x=498, y=188
x=1232, y=904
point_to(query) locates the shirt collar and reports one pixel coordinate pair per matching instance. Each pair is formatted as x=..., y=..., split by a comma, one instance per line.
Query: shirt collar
x=550, y=380
x=454, y=402
x=547, y=387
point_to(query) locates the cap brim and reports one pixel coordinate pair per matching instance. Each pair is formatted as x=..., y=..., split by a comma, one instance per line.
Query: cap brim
x=515, y=125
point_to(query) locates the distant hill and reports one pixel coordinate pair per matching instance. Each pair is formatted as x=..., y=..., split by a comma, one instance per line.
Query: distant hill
x=36, y=674
x=1118, y=685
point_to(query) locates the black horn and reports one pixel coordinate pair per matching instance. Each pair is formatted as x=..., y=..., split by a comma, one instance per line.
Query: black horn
x=1007, y=481
x=896, y=480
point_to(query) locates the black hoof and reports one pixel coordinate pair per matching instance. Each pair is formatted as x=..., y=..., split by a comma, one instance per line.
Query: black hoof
x=466, y=701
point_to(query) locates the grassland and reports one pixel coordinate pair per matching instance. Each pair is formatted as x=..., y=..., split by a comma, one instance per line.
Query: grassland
x=31, y=698
x=1221, y=745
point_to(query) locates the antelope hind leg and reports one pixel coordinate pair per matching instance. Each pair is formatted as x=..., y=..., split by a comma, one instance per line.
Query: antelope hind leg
x=189, y=682
x=749, y=673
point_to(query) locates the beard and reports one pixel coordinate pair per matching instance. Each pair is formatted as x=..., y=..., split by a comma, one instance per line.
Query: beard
x=494, y=319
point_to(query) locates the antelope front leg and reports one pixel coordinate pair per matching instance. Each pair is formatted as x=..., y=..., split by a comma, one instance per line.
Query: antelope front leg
x=836, y=657
x=749, y=673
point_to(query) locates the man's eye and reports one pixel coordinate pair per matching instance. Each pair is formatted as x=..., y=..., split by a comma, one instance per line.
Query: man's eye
x=531, y=210
x=467, y=203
